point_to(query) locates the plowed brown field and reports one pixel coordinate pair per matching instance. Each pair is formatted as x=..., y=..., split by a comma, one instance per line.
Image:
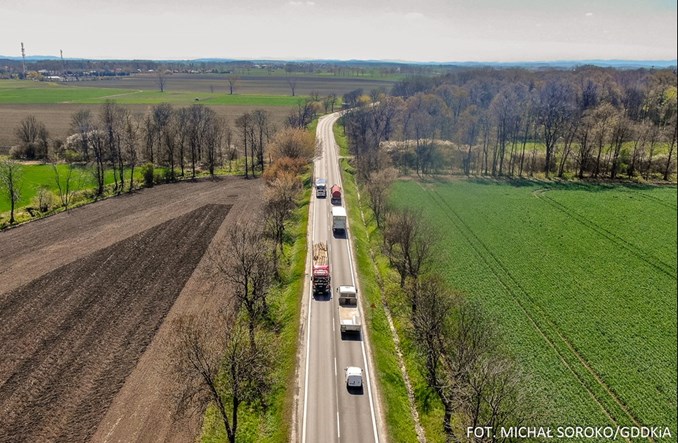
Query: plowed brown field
x=83, y=298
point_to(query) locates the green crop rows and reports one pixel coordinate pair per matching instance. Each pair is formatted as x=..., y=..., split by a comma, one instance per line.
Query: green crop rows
x=582, y=282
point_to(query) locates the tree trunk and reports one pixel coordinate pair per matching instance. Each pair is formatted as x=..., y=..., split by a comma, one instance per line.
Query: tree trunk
x=667, y=168
x=11, y=211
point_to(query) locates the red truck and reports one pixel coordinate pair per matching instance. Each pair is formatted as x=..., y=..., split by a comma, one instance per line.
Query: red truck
x=335, y=192
x=320, y=276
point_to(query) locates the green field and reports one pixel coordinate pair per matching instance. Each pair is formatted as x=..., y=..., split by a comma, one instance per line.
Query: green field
x=582, y=281
x=25, y=92
x=34, y=177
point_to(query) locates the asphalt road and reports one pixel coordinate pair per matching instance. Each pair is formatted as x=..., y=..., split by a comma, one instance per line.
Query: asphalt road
x=329, y=412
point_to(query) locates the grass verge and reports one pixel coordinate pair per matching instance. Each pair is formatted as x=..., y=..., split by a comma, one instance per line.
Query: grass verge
x=274, y=423
x=393, y=394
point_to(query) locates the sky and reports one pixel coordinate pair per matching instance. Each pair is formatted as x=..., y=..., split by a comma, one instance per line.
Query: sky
x=407, y=30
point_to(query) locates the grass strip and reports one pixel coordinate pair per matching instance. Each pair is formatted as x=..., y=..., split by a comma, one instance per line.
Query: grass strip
x=273, y=423
x=393, y=393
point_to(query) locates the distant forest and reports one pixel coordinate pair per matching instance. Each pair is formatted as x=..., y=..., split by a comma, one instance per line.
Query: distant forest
x=586, y=122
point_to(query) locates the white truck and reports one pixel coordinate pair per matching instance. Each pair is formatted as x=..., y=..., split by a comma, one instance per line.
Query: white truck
x=338, y=219
x=354, y=377
x=349, y=315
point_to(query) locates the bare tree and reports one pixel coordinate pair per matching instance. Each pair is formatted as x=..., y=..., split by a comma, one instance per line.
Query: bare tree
x=244, y=261
x=161, y=80
x=431, y=323
x=221, y=368
x=604, y=115
x=65, y=185
x=292, y=83
x=673, y=135
x=232, y=83
x=329, y=102
x=130, y=148
x=585, y=145
x=303, y=115
x=468, y=133
x=97, y=142
x=230, y=153
x=112, y=118
x=33, y=137
x=262, y=130
x=213, y=139
x=10, y=184
x=378, y=189
x=553, y=111
x=165, y=135
x=620, y=133
x=409, y=242
x=244, y=125
x=463, y=363
x=280, y=197
x=149, y=137
x=81, y=124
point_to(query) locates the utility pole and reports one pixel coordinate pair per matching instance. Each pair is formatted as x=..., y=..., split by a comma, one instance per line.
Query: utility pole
x=23, y=59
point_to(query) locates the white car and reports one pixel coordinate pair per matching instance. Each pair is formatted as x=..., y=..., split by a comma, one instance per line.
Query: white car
x=354, y=377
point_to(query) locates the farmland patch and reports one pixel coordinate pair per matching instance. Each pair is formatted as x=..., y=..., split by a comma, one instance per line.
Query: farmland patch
x=582, y=282
x=70, y=338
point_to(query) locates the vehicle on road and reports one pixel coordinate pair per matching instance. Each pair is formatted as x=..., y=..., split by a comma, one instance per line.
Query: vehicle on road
x=354, y=377
x=338, y=219
x=349, y=315
x=335, y=192
x=321, y=188
x=320, y=276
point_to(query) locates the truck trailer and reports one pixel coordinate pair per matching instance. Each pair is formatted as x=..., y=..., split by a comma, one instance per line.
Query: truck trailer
x=338, y=219
x=349, y=315
x=335, y=193
x=320, y=276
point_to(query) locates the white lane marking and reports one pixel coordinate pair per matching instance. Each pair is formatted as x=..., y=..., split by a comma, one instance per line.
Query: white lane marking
x=362, y=342
x=335, y=366
x=333, y=330
x=308, y=331
x=338, y=430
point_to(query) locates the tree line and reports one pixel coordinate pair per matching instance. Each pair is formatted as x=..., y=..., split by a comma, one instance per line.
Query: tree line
x=587, y=122
x=234, y=366
x=459, y=352
x=183, y=142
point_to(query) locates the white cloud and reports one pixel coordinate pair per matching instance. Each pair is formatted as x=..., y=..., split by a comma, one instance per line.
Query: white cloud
x=589, y=14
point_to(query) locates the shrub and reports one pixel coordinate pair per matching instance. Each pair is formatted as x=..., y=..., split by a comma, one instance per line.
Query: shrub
x=17, y=152
x=284, y=165
x=293, y=142
x=45, y=200
x=167, y=175
x=71, y=156
x=147, y=172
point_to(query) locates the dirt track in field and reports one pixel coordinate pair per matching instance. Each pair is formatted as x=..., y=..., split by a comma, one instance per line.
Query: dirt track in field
x=85, y=299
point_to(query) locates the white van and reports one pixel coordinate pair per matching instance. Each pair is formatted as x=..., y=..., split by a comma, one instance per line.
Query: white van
x=354, y=377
